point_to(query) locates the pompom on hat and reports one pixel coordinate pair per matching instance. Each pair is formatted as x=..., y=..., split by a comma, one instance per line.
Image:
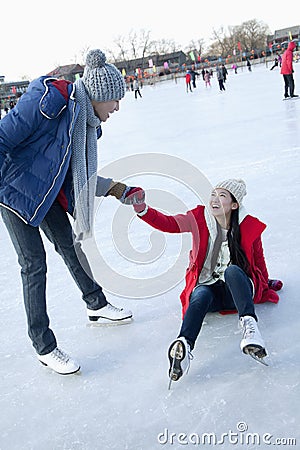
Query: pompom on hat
x=236, y=187
x=102, y=81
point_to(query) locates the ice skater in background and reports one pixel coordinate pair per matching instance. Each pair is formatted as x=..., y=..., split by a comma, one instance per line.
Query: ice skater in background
x=225, y=72
x=234, y=67
x=207, y=78
x=136, y=88
x=193, y=76
x=188, y=82
x=203, y=71
x=227, y=269
x=275, y=64
x=279, y=60
x=220, y=77
x=287, y=71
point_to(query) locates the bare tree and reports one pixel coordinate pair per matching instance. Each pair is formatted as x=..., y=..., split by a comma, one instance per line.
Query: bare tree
x=250, y=34
x=253, y=34
x=146, y=43
x=84, y=51
x=139, y=43
x=134, y=44
x=122, y=49
x=197, y=44
x=163, y=46
x=220, y=42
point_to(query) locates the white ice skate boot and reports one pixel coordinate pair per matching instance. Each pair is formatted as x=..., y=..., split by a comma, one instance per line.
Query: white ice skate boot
x=110, y=313
x=179, y=356
x=60, y=362
x=252, y=343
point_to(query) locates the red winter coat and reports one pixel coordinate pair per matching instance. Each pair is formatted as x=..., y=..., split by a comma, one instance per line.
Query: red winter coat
x=194, y=222
x=287, y=60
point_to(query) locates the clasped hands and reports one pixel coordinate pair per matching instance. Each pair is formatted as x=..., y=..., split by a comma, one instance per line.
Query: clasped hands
x=136, y=197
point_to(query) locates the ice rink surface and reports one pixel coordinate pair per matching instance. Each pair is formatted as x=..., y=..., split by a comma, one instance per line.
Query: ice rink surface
x=120, y=399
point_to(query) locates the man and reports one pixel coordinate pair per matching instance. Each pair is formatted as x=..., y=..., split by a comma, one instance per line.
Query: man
x=220, y=77
x=287, y=71
x=48, y=169
x=193, y=74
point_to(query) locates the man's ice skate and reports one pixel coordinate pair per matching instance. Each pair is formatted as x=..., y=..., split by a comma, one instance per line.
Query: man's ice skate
x=179, y=356
x=60, y=362
x=252, y=343
x=109, y=314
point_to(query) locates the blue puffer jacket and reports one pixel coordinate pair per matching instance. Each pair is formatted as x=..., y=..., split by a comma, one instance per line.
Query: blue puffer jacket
x=35, y=149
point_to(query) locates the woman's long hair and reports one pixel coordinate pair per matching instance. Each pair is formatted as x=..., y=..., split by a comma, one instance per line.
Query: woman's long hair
x=237, y=254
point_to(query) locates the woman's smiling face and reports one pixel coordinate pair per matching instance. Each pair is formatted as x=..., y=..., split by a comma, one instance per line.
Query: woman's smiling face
x=221, y=203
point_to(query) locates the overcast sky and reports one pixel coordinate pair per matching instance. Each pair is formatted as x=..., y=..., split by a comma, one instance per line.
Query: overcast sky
x=38, y=36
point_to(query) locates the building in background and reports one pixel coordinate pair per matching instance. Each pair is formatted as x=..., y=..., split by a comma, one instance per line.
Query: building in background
x=69, y=72
x=10, y=92
x=280, y=39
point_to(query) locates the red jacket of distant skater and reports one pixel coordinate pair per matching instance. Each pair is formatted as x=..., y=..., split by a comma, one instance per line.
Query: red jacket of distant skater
x=287, y=60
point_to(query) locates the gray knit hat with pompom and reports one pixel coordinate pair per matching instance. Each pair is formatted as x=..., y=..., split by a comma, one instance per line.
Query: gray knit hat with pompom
x=103, y=81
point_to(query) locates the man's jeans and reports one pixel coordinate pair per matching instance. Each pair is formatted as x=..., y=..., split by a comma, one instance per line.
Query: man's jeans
x=235, y=293
x=32, y=259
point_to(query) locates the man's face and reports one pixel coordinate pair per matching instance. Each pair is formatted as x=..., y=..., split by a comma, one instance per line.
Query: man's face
x=104, y=109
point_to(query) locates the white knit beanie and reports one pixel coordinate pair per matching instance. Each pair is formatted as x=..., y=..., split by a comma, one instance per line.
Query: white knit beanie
x=102, y=81
x=236, y=187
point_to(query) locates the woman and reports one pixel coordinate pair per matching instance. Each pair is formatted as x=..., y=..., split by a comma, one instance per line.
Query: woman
x=227, y=269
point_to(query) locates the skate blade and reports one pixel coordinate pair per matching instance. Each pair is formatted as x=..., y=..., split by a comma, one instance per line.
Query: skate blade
x=109, y=323
x=257, y=353
x=174, y=376
x=176, y=351
x=176, y=354
x=259, y=359
x=75, y=372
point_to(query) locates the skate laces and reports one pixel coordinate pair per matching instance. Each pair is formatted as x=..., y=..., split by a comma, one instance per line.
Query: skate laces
x=190, y=357
x=113, y=308
x=190, y=354
x=248, y=327
x=60, y=356
x=188, y=350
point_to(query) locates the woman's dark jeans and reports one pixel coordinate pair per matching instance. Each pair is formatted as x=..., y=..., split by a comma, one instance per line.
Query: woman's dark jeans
x=235, y=293
x=29, y=246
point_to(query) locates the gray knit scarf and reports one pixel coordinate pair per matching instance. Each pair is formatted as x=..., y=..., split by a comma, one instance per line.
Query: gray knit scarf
x=84, y=163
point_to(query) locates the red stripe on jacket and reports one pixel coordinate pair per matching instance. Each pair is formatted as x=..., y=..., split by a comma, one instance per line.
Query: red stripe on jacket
x=62, y=87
